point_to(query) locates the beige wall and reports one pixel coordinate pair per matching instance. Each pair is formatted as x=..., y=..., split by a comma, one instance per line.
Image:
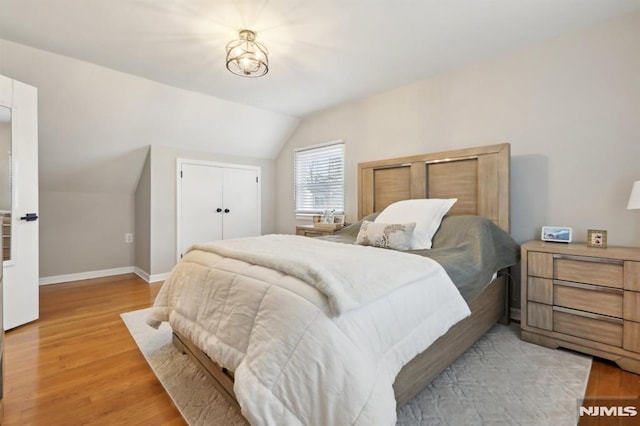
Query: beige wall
x=95, y=127
x=570, y=107
x=163, y=200
x=83, y=232
x=95, y=123
x=142, y=235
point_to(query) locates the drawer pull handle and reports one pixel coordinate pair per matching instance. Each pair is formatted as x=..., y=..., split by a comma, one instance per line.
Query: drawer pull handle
x=589, y=287
x=588, y=315
x=588, y=259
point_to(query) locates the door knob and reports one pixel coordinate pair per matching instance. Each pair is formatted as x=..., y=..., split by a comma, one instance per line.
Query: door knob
x=226, y=210
x=30, y=217
x=219, y=210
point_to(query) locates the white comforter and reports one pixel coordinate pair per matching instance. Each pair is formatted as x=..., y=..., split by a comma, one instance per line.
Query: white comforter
x=296, y=361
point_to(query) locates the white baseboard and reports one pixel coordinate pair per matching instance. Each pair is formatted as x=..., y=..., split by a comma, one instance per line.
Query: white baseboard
x=159, y=277
x=142, y=274
x=150, y=278
x=56, y=279
x=514, y=314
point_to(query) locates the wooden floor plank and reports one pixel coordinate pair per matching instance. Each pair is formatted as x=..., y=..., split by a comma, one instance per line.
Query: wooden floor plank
x=78, y=364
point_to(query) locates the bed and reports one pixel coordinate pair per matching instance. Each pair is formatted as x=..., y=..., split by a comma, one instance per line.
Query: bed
x=479, y=179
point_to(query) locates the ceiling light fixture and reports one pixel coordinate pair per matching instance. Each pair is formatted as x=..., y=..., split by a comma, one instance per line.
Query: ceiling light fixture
x=246, y=57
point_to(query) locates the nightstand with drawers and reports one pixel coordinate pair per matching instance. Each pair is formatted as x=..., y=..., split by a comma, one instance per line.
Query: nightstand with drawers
x=583, y=298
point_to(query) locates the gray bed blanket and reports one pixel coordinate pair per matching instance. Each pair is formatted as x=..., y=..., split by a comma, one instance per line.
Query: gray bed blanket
x=470, y=248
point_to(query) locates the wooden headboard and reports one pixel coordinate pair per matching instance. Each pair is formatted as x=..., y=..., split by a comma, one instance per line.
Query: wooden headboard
x=477, y=177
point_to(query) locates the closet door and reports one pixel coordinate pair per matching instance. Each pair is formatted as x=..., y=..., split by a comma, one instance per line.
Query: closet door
x=216, y=201
x=241, y=203
x=201, y=194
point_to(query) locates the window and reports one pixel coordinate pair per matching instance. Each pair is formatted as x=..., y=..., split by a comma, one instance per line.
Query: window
x=319, y=178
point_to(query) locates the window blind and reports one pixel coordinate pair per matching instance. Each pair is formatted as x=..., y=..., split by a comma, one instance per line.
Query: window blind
x=319, y=179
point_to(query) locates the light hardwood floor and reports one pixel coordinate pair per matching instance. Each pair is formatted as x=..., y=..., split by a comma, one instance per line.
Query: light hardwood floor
x=78, y=364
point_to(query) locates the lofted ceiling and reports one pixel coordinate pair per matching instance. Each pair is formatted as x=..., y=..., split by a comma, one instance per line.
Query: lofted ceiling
x=322, y=52
x=97, y=118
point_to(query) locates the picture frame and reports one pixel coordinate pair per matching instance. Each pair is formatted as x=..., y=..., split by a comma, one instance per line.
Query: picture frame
x=557, y=234
x=338, y=222
x=597, y=238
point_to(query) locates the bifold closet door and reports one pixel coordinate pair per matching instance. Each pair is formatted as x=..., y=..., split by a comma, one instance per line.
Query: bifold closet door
x=201, y=192
x=217, y=203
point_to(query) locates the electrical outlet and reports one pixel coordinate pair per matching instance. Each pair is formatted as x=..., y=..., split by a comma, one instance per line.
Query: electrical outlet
x=128, y=238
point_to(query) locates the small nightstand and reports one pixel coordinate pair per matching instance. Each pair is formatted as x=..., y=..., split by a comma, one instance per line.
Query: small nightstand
x=313, y=231
x=583, y=298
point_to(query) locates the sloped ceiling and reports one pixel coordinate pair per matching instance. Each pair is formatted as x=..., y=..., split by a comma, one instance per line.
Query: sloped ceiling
x=95, y=122
x=322, y=52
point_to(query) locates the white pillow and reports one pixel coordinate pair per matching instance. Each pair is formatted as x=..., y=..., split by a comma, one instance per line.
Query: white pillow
x=427, y=213
x=386, y=235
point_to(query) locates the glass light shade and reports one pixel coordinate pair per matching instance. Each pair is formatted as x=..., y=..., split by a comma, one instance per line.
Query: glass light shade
x=634, y=199
x=246, y=57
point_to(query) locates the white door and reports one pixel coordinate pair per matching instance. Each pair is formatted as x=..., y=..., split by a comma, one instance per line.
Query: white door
x=201, y=208
x=240, y=197
x=216, y=201
x=21, y=301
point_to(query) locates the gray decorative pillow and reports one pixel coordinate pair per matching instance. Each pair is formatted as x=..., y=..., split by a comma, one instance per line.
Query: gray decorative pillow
x=386, y=235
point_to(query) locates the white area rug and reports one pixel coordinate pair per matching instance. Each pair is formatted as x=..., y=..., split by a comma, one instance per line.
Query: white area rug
x=500, y=380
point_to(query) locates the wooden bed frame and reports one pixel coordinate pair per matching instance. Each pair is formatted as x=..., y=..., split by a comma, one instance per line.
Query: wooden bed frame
x=479, y=178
